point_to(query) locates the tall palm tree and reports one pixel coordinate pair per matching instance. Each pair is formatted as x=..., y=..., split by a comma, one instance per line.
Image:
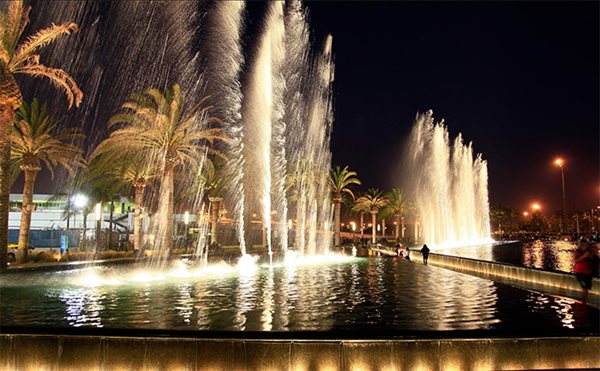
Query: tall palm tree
x=132, y=172
x=214, y=184
x=23, y=58
x=396, y=207
x=361, y=209
x=339, y=182
x=36, y=140
x=155, y=124
x=373, y=200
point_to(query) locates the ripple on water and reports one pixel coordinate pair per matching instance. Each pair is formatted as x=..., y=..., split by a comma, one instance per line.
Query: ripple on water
x=359, y=294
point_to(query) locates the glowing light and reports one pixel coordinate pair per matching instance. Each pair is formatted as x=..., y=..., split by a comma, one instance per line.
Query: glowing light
x=247, y=264
x=536, y=206
x=559, y=162
x=80, y=200
x=290, y=225
x=378, y=227
x=525, y=213
x=353, y=226
x=186, y=218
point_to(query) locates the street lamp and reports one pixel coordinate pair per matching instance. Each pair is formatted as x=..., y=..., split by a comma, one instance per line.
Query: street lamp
x=536, y=206
x=560, y=162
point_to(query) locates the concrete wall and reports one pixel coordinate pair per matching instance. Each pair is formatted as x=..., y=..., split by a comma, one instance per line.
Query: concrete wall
x=564, y=281
x=57, y=352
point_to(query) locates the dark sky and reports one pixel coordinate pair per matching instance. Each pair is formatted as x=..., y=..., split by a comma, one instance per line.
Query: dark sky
x=520, y=80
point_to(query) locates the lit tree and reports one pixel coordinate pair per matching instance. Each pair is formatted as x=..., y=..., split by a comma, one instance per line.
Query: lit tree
x=373, y=200
x=396, y=208
x=23, y=58
x=339, y=182
x=155, y=124
x=37, y=140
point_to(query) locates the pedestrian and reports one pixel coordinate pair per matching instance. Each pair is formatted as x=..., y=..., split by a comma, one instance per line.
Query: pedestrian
x=583, y=258
x=399, y=250
x=425, y=253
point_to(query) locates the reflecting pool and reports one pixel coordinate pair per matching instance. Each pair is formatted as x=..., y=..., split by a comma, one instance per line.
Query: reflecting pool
x=549, y=255
x=354, y=294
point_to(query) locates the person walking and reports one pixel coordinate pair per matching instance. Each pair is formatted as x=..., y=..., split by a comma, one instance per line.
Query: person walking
x=425, y=253
x=583, y=258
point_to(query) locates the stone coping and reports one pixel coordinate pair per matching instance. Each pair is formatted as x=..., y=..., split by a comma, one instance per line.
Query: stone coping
x=25, y=351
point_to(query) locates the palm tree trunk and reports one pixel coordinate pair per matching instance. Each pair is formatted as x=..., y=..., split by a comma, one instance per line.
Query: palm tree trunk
x=26, y=211
x=397, y=233
x=383, y=228
x=402, y=225
x=362, y=225
x=138, y=217
x=110, y=223
x=7, y=116
x=374, y=228
x=215, y=206
x=165, y=231
x=337, y=209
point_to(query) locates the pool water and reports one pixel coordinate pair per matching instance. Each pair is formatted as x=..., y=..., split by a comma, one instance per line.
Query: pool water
x=355, y=294
x=548, y=255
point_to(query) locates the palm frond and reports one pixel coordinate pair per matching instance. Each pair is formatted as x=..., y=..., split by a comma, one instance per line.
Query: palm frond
x=58, y=77
x=39, y=40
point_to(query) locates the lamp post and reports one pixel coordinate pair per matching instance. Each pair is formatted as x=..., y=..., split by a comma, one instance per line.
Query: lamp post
x=98, y=224
x=560, y=162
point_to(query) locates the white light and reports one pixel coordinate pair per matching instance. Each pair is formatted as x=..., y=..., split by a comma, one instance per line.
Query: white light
x=80, y=200
x=247, y=264
x=186, y=218
x=98, y=211
x=290, y=225
x=378, y=227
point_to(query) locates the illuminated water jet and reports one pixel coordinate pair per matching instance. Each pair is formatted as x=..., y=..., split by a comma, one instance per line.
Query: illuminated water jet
x=449, y=187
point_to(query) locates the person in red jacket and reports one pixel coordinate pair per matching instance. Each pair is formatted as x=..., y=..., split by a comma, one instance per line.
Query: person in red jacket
x=583, y=258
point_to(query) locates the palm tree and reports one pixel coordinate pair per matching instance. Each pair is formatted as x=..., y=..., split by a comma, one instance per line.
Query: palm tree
x=24, y=59
x=133, y=172
x=361, y=209
x=36, y=140
x=372, y=200
x=155, y=124
x=339, y=182
x=396, y=207
x=213, y=186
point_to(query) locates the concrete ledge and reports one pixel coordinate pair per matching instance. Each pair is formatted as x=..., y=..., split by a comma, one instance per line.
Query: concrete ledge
x=68, y=352
x=540, y=277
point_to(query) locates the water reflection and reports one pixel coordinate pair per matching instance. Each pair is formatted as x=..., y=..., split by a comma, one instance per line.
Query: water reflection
x=360, y=295
x=549, y=255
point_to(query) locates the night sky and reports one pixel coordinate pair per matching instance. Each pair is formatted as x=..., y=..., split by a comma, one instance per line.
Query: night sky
x=519, y=80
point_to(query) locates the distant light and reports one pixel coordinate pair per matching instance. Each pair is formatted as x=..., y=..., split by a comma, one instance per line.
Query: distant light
x=525, y=213
x=378, y=227
x=290, y=225
x=80, y=200
x=536, y=206
x=186, y=218
x=353, y=225
x=559, y=162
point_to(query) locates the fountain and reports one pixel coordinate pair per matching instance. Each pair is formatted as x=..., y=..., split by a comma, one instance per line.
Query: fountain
x=288, y=115
x=275, y=104
x=448, y=186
